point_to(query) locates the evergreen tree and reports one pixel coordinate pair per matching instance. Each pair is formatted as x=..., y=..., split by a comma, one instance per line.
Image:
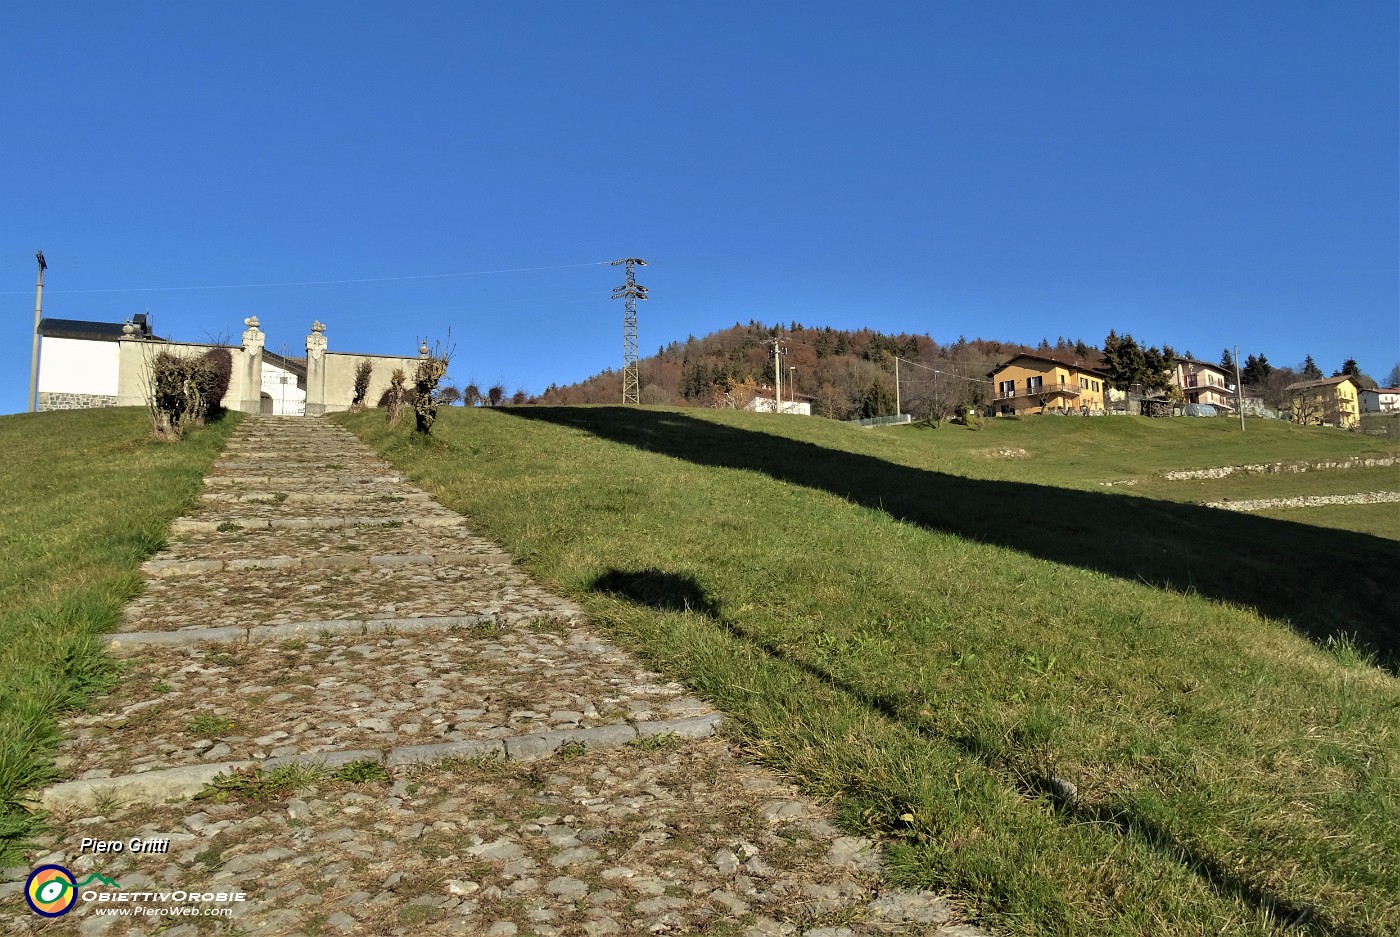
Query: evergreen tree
x=1256, y=370
x=1044, y=345
x=1125, y=361
x=1081, y=349
x=1350, y=368
x=1156, y=370
x=1311, y=372
x=1227, y=362
x=878, y=401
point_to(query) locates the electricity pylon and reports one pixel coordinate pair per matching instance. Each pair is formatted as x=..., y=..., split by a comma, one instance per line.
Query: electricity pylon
x=631, y=291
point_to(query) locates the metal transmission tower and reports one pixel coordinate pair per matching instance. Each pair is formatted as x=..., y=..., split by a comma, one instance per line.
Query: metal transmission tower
x=631, y=291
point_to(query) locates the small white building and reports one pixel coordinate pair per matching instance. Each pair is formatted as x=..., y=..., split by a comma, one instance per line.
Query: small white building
x=763, y=402
x=1380, y=399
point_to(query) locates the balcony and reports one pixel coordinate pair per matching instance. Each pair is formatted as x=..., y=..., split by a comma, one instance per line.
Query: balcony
x=1048, y=391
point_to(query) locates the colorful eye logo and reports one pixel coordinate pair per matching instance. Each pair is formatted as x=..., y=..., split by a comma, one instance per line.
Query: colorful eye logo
x=51, y=891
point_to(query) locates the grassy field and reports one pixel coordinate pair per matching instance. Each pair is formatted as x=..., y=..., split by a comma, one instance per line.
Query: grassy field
x=942, y=639
x=84, y=498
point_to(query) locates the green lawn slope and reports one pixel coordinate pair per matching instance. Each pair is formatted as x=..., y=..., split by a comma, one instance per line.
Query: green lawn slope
x=1087, y=710
x=85, y=497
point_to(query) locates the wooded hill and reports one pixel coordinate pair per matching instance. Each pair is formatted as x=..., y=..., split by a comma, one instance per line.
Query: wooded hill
x=849, y=374
x=843, y=374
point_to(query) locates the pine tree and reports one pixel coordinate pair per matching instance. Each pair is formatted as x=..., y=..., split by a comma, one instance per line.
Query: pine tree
x=1256, y=370
x=1227, y=362
x=1311, y=372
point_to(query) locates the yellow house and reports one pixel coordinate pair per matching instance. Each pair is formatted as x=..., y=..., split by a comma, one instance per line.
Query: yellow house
x=1037, y=384
x=1328, y=402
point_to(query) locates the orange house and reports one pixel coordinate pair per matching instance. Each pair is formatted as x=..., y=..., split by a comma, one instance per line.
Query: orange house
x=1036, y=384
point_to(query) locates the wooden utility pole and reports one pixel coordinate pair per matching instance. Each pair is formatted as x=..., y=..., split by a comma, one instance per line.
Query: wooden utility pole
x=34, y=356
x=1239, y=388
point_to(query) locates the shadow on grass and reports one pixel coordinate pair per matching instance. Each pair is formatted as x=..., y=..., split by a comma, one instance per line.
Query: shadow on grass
x=671, y=592
x=1327, y=584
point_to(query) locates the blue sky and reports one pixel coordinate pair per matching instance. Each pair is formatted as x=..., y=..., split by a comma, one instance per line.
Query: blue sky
x=1199, y=174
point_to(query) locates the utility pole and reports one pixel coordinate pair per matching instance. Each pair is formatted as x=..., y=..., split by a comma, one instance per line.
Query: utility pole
x=630, y=292
x=34, y=356
x=792, y=386
x=779, y=349
x=896, y=385
x=1239, y=389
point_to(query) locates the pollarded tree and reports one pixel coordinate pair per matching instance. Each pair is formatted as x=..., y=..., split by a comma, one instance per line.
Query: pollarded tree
x=495, y=394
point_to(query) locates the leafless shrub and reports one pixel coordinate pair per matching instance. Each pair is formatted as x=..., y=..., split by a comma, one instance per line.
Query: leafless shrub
x=362, y=375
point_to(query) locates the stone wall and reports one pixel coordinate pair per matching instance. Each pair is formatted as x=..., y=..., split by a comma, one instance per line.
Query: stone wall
x=57, y=401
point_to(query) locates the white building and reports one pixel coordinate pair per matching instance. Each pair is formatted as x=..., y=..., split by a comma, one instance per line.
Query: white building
x=1379, y=399
x=86, y=364
x=765, y=404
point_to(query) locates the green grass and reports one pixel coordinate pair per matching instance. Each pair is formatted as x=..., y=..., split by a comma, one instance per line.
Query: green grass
x=84, y=498
x=932, y=637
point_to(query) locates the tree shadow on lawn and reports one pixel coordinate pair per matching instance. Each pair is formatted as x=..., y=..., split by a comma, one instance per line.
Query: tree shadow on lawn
x=673, y=592
x=1325, y=583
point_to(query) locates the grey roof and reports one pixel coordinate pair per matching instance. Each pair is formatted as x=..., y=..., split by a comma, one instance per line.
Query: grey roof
x=89, y=331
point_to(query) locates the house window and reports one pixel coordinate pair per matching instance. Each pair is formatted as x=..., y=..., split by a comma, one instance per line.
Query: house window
x=1096, y=385
x=1034, y=384
x=1006, y=389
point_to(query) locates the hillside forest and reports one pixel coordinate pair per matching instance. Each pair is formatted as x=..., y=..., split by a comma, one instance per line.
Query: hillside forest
x=851, y=374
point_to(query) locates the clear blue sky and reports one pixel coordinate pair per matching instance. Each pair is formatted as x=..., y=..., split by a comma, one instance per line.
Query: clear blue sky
x=1196, y=173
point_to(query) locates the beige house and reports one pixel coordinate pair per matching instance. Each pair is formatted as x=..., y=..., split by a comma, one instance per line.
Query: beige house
x=1201, y=382
x=1332, y=401
x=1036, y=384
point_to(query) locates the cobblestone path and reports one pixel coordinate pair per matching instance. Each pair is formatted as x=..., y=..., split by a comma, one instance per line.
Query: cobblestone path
x=344, y=705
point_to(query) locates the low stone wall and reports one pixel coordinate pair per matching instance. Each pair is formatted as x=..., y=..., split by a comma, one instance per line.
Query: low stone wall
x=57, y=401
x=1280, y=468
x=1307, y=501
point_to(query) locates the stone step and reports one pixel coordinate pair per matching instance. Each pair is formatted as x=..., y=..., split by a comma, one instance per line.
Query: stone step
x=273, y=475
x=670, y=838
x=166, y=568
x=241, y=598
x=312, y=517
x=129, y=643
x=254, y=543
x=277, y=493
x=163, y=785
x=187, y=705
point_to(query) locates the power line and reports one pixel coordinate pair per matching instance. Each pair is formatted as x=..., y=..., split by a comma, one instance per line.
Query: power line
x=247, y=286
x=945, y=373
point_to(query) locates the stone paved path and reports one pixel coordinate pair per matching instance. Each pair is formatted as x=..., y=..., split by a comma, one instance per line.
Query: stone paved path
x=406, y=735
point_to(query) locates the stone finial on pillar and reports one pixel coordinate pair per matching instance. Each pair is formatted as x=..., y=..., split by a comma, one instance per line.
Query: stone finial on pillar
x=253, y=340
x=316, y=370
x=253, y=335
x=129, y=332
x=423, y=349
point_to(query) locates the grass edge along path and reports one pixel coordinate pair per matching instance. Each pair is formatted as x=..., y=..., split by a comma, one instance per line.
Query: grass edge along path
x=85, y=497
x=968, y=806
